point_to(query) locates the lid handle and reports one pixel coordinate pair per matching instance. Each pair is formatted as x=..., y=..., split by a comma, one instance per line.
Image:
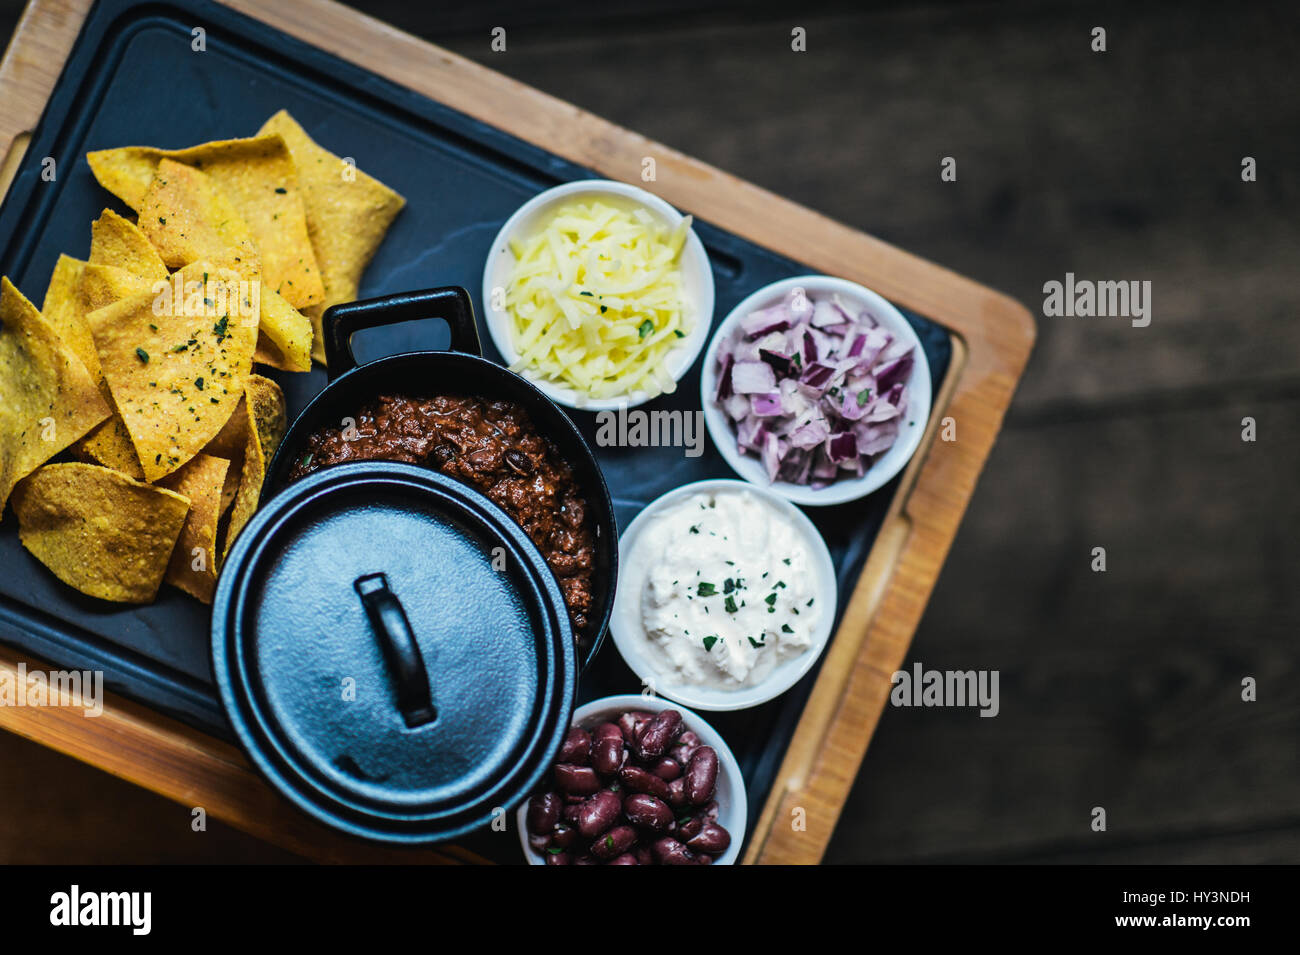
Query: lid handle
x=450, y=303
x=392, y=628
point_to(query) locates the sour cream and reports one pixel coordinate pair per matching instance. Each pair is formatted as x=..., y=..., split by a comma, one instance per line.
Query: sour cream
x=725, y=587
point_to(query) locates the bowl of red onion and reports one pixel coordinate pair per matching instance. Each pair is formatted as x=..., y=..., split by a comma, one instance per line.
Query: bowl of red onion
x=816, y=388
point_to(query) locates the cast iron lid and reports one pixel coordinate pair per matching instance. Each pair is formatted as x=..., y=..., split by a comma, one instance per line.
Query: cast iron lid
x=393, y=652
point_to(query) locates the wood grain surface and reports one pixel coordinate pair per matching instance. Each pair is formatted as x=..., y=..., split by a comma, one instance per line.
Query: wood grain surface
x=993, y=337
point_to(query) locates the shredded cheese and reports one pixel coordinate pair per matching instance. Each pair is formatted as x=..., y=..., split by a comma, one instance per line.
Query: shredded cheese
x=595, y=299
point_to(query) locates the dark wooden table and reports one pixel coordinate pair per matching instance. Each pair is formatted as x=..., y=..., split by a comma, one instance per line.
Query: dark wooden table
x=1119, y=689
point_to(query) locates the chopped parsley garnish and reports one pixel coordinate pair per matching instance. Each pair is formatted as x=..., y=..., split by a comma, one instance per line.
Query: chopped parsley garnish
x=770, y=599
x=646, y=328
x=730, y=605
x=756, y=643
x=706, y=590
x=864, y=396
x=198, y=383
x=786, y=628
x=709, y=642
x=142, y=355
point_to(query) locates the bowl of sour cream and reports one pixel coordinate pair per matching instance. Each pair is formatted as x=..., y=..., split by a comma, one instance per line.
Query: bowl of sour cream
x=726, y=595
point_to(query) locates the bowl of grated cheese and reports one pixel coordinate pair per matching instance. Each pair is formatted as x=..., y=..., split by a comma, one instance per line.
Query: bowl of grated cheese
x=599, y=293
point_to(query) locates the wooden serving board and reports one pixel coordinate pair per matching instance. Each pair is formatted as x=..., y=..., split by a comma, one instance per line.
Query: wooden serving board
x=991, y=336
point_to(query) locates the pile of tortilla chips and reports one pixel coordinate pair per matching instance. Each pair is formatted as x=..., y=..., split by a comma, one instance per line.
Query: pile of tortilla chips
x=134, y=430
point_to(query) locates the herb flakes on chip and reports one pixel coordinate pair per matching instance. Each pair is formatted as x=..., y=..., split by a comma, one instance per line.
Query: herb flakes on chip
x=168, y=417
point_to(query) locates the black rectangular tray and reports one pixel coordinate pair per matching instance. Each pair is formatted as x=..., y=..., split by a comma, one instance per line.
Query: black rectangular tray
x=134, y=79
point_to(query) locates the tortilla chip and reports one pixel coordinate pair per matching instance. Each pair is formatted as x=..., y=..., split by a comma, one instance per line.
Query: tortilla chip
x=259, y=177
x=193, y=566
x=251, y=437
x=47, y=397
x=230, y=488
x=109, y=444
x=251, y=475
x=176, y=367
x=287, y=332
x=120, y=243
x=99, y=531
x=76, y=289
x=270, y=414
x=64, y=311
x=348, y=213
x=188, y=218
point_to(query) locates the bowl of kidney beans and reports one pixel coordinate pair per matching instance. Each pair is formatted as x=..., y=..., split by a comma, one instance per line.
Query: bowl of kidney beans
x=638, y=781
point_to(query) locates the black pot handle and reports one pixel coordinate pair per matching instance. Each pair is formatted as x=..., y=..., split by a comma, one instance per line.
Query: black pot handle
x=452, y=304
x=414, y=698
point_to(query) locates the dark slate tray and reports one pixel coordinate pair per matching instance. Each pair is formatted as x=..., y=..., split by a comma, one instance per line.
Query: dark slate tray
x=133, y=79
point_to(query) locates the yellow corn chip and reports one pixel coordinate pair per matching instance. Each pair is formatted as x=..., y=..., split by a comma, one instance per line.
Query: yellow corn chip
x=348, y=214
x=193, y=566
x=47, y=397
x=259, y=177
x=177, y=362
x=99, y=531
x=63, y=309
x=120, y=243
x=188, y=218
x=251, y=475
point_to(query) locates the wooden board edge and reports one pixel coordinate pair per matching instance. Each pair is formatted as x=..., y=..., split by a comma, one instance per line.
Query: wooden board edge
x=190, y=768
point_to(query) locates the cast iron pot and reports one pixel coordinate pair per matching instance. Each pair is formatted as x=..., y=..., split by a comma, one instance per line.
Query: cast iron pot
x=379, y=666
x=460, y=370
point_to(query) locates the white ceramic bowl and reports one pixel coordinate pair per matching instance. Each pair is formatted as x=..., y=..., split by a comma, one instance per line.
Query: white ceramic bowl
x=887, y=465
x=733, y=808
x=625, y=622
x=697, y=283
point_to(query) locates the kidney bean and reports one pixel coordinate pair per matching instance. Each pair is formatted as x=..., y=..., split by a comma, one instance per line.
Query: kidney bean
x=685, y=747
x=586, y=860
x=711, y=810
x=559, y=858
x=570, y=812
x=701, y=775
x=677, y=793
x=644, y=856
x=607, y=750
x=637, y=780
x=645, y=810
x=658, y=734
x=626, y=858
x=576, y=747
x=687, y=830
x=666, y=768
x=598, y=813
x=668, y=851
x=564, y=836
x=631, y=723
x=544, y=812
x=576, y=780
x=614, y=843
x=704, y=859
x=711, y=838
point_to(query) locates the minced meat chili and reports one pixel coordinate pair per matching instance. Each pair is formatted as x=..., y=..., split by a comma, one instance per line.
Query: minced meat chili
x=492, y=446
